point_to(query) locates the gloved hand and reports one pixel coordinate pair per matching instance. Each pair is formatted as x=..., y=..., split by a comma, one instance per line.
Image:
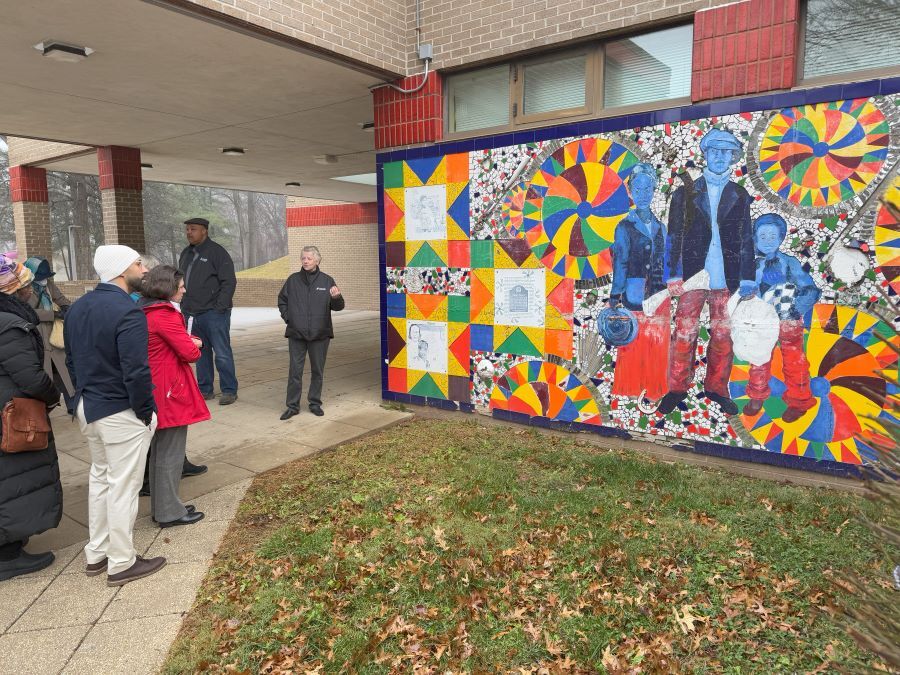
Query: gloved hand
x=748, y=288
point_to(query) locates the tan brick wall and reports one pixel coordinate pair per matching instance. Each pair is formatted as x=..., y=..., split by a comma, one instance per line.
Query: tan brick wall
x=310, y=201
x=123, y=218
x=32, y=223
x=466, y=31
x=349, y=254
x=30, y=151
x=371, y=31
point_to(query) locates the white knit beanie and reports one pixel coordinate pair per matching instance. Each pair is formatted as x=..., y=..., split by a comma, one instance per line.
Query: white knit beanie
x=112, y=260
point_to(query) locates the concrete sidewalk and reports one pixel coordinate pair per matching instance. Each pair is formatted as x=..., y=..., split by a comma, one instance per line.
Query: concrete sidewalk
x=59, y=620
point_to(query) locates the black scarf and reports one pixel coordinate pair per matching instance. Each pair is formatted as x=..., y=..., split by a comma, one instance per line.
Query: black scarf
x=13, y=305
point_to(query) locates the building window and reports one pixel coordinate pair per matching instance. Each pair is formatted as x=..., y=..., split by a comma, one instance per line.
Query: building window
x=639, y=71
x=849, y=35
x=479, y=99
x=648, y=67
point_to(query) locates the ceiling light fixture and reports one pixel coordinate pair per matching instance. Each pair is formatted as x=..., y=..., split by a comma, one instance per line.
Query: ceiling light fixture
x=293, y=183
x=233, y=152
x=325, y=159
x=61, y=51
x=146, y=166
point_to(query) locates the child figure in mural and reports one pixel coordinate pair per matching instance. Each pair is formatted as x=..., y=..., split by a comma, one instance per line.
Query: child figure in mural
x=785, y=285
x=710, y=235
x=639, y=271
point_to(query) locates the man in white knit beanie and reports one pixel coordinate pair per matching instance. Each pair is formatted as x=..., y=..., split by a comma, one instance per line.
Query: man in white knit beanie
x=106, y=353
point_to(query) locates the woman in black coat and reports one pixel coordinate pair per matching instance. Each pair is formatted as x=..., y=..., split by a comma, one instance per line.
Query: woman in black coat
x=30, y=489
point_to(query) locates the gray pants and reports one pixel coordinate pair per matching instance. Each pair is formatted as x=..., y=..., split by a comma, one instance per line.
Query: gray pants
x=317, y=350
x=166, y=462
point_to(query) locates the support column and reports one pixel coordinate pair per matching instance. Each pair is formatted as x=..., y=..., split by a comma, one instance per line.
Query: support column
x=31, y=211
x=121, y=196
x=408, y=119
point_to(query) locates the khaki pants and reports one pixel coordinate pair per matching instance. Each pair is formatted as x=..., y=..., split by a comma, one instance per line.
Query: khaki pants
x=119, y=445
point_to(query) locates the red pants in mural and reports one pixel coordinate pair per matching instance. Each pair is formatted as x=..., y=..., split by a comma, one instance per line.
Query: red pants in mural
x=719, y=350
x=795, y=366
x=640, y=365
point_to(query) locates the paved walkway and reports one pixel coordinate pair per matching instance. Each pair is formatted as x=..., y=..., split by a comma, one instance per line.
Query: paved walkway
x=59, y=620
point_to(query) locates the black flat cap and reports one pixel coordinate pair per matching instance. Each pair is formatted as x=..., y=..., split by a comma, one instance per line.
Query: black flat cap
x=202, y=222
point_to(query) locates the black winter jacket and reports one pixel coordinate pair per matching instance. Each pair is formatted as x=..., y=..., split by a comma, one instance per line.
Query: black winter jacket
x=30, y=490
x=211, y=283
x=306, y=304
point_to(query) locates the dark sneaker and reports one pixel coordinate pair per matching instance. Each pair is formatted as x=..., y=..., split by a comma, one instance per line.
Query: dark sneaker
x=753, y=408
x=188, y=518
x=25, y=563
x=670, y=401
x=316, y=410
x=227, y=399
x=143, y=567
x=189, y=507
x=288, y=414
x=792, y=415
x=727, y=406
x=93, y=569
x=209, y=396
x=189, y=469
x=145, y=491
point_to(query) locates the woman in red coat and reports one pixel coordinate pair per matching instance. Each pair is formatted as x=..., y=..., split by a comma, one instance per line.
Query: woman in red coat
x=178, y=399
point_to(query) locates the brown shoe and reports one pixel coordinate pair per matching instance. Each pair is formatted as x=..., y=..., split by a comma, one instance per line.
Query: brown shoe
x=752, y=408
x=141, y=568
x=93, y=569
x=792, y=415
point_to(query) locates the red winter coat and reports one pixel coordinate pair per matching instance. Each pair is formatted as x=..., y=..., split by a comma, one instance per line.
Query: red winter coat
x=171, y=350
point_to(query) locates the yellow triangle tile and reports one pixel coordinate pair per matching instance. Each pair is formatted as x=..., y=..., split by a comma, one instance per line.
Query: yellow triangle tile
x=438, y=314
x=413, y=377
x=453, y=191
x=439, y=177
x=410, y=179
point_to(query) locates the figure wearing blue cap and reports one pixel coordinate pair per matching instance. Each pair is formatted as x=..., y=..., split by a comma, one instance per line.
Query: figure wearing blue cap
x=709, y=231
x=785, y=285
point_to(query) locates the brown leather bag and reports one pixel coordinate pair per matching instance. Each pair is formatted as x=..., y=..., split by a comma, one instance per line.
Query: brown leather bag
x=25, y=426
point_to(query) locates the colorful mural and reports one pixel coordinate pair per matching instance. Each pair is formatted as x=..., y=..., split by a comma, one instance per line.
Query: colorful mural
x=728, y=280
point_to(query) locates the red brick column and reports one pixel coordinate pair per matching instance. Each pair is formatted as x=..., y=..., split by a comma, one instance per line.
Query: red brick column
x=745, y=48
x=121, y=196
x=407, y=119
x=31, y=211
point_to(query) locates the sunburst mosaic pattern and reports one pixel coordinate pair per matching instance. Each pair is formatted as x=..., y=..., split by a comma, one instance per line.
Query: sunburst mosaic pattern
x=541, y=389
x=824, y=154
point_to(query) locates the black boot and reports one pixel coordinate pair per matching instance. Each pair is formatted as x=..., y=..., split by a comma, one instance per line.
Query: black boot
x=25, y=563
x=670, y=401
x=189, y=469
x=727, y=406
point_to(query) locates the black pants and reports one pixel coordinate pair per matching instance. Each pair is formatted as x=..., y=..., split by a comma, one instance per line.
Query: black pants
x=317, y=350
x=11, y=550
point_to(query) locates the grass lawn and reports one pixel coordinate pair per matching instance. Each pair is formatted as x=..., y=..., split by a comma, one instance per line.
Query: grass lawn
x=455, y=546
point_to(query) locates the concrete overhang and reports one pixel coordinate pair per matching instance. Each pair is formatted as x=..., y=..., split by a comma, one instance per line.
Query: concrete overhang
x=181, y=87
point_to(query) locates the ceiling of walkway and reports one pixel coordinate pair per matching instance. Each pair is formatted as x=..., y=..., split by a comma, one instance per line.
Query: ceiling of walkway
x=181, y=88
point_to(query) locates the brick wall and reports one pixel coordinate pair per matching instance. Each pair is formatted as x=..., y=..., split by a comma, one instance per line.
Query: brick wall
x=32, y=224
x=123, y=218
x=745, y=48
x=332, y=214
x=30, y=151
x=466, y=31
x=349, y=254
x=405, y=119
x=371, y=31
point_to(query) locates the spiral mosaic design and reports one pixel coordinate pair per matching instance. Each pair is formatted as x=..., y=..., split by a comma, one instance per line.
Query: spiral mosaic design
x=845, y=358
x=511, y=210
x=887, y=247
x=542, y=389
x=824, y=154
x=573, y=205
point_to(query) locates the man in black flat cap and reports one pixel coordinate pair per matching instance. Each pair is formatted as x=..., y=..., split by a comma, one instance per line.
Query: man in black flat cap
x=209, y=283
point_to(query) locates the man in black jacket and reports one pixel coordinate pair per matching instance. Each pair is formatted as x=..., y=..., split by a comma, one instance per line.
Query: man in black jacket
x=209, y=283
x=306, y=301
x=106, y=354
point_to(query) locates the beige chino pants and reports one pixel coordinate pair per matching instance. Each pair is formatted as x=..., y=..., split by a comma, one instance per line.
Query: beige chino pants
x=119, y=445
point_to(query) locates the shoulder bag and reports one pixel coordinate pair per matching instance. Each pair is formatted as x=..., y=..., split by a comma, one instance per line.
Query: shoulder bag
x=25, y=426
x=56, y=339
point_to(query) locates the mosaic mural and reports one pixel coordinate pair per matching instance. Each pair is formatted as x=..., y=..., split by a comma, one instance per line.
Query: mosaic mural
x=731, y=280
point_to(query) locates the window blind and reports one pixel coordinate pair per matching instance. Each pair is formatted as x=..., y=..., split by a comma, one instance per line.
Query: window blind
x=651, y=67
x=479, y=100
x=555, y=85
x=847, y=35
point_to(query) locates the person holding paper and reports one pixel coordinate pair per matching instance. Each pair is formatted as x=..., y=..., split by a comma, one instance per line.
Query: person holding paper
x=639, y=272
x=709, y=233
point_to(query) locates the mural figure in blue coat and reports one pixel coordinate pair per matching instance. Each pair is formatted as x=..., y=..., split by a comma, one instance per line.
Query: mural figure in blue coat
x=785, y=285
x=711, y=248
x=639, y=272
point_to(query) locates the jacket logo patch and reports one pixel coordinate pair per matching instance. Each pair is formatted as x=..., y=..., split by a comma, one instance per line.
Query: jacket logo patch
x=321, y=289
x=204, y=259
